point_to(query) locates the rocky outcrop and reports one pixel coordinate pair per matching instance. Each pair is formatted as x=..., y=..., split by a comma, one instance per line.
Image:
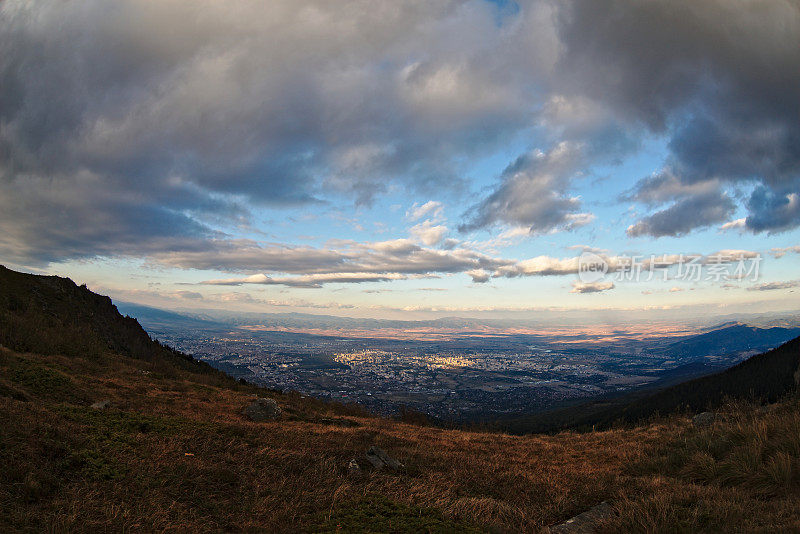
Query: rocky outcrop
x=262, y=410
x=380, y=459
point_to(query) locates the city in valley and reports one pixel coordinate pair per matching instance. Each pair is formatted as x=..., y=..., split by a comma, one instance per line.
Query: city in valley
x=470, y=374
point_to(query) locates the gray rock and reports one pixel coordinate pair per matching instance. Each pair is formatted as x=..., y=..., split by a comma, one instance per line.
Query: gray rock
x=379, y=459
x=101, y=405
x=585, y=523
x=262, y=410
x=376, y=462
x=704, y=419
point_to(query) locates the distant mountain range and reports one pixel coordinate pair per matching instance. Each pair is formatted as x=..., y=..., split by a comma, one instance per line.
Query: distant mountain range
x=306, y=320
x=732, y=338
x=724, y=339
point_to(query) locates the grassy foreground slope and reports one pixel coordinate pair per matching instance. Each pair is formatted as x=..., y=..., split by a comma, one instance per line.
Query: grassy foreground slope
x=173, y=452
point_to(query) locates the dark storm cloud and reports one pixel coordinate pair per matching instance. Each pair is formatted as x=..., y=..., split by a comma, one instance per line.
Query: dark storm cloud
x=688, y=205
x=683, y=216
x=195, y=111
x=720, y=78
x=772, y=210
x=44, y=223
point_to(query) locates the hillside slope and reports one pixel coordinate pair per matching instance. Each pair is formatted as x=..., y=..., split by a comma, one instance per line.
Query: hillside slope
x=731, y=339
x=761, y=378
x=171, y=450
x=52, y=315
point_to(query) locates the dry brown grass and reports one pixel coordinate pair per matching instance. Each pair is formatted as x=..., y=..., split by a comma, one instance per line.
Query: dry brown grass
x=66, y=467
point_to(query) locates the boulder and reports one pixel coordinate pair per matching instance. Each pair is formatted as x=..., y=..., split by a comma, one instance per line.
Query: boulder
x=585, y=523
x=380, y=459
x=101, y=405
x=261, y=410
x=376, y=462
x=704, y=419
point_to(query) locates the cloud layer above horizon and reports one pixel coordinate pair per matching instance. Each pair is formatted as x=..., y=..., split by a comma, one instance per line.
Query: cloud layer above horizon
x=164, y=131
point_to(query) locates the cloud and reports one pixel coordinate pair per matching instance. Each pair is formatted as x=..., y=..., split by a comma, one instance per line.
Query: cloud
x=309, y=281
x=479, y=276
x=701, y=74
x=302, y=303
x=429, y=233
x=551, y=266
x=772, y=286
x=738, y=223
x=666, y=186
x=247, y=298
x=309, y=267
x=137, y=294
x=541, y=266
x=398, y=259
x=144, y=126
x=151, y=129
x=431, y=208
x=730, y=256
x=190, y=295
x=533, y=194
x=773, y=211
x=688, y=205
x=591, y=287
x=685, y=215
x=781, y=252
x=250, y=256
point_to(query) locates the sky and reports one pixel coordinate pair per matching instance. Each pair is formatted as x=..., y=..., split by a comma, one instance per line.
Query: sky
x=406, y=159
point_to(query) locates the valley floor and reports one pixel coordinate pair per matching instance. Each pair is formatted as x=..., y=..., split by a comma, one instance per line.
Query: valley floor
x=172, y=452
